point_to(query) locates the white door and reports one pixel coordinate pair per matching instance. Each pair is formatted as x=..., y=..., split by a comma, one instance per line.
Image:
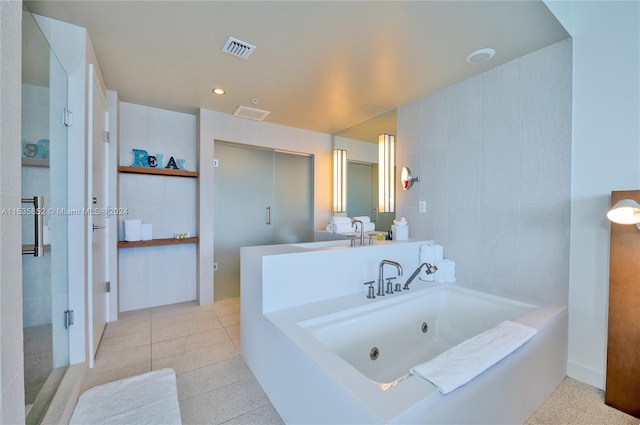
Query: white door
x=98, y=261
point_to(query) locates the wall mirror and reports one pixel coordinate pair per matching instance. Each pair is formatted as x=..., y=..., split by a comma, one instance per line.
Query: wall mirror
x=361, y=144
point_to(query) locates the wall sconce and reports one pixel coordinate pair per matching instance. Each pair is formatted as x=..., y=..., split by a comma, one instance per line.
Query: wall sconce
x=339, y=180
x=386, y=173
x=407, y=178
x=625, y=211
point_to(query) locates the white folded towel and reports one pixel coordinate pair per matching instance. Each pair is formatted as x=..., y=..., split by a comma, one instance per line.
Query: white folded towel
x=460, y=364
x=402, y=222
x=339, y=220
x=363, y=218
x=427, y=255
x=438, y=252
x=440, y=274
x=342, y=228
x=368, y=227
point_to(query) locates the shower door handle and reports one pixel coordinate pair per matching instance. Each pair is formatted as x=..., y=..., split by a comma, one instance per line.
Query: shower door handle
x=38, y=224
x=268, y=216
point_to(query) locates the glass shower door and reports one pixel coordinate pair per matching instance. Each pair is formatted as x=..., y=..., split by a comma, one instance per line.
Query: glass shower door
x=44, y=220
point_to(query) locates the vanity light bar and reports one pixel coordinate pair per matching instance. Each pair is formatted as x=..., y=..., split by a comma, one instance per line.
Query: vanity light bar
x=339, y=180
x=386, y=173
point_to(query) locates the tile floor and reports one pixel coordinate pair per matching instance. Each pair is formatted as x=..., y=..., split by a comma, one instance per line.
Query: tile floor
x=38, y=359
x=201, y=343
x=215, y=386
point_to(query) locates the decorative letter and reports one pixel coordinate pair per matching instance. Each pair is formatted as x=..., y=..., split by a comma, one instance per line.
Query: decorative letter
x=172, y=164
x=152, y=161
x=140, y=158
x=43, y=149
x=159, y=157
x=180, y=163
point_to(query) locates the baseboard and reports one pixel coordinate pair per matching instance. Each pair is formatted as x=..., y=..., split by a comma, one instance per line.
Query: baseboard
x=586, y=374
x=66, y=397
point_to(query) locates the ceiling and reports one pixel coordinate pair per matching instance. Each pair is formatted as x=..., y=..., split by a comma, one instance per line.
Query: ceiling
x=318, y=65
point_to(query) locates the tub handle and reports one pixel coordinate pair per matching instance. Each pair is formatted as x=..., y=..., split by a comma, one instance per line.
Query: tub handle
x=371, y=293
x=390, y=285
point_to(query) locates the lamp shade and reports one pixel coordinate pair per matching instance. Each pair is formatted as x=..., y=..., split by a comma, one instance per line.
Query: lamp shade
x=625, y=211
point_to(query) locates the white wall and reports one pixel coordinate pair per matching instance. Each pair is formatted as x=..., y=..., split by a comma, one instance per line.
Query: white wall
x=357, y=150
x=606, y=157
x=157, y=275
x=11, y=352
x=225, y=127
x=493, y=154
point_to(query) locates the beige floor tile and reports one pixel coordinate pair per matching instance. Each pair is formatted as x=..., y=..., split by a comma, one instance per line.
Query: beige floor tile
x=171, y=318
x=227, y=306
x=222, y=404
x=169, y=308
x=99, y=377
x=117, y=359
x=199, y=381
x=233, y=331
x=181, y=329
x=133, y=315
x=125, y=341
x=116, y=329
x=190, y=360
x=175, y=346
x=263, y=415
x=229, y=319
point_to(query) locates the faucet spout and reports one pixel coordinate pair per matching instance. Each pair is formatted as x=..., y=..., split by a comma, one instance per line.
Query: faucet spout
x=354, y=221
x=381, y=274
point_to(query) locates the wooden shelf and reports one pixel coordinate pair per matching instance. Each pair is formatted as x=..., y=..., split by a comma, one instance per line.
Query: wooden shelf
x=47, y=248
x=35, y=162
x=158, y=171
x=157, y=242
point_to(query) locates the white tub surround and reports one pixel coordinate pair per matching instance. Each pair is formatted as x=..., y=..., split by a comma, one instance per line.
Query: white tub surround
x=289, y=294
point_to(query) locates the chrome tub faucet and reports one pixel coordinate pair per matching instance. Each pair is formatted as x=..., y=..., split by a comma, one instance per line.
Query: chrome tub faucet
x=381, y=275
x=354, y=221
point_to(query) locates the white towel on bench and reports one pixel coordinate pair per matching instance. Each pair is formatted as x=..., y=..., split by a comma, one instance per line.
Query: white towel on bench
x=460, y=364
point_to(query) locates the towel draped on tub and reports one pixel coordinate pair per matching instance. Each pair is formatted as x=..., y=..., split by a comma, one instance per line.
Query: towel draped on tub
x=460, y=364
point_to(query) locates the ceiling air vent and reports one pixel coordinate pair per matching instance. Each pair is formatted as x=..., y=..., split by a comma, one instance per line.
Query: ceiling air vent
x=251, y=113
x=238, y=48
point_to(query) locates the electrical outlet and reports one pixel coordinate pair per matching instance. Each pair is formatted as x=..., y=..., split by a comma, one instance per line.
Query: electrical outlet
x=422, y=206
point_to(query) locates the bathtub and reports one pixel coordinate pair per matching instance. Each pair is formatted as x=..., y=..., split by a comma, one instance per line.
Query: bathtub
x=347, y=360
x=410, y=331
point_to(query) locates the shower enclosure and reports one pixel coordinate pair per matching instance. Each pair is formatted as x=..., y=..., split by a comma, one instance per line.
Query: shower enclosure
x=46, y=316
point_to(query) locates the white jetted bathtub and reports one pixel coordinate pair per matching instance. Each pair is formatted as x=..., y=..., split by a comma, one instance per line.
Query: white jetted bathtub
x=384, y=343
x=347, y=360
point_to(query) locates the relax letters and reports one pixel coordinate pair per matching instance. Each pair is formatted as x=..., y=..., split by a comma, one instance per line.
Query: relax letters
x=141, y=158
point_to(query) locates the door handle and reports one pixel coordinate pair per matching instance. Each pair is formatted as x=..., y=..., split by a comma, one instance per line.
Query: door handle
x=38, y=225
x=96, y=227
x=268, y=216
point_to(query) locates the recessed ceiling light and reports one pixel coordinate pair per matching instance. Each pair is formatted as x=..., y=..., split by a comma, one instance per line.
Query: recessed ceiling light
x=218, y=90
x=480, y=55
